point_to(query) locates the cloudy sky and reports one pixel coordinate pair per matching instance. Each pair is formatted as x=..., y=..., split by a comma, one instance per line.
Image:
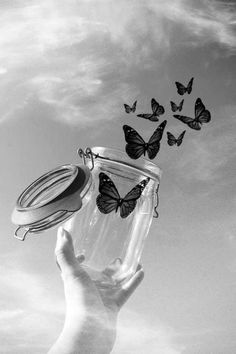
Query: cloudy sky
x=66, y=68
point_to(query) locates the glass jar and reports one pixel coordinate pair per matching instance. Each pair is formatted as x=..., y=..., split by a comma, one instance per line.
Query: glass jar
x=105, y=238
x=111, y=239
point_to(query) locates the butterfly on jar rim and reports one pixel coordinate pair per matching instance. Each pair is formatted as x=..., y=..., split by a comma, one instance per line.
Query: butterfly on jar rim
x=202, y=115
x=172, y=140
x=181, y=89
x=129, y=109
x=176, y=108
x=157, y=110
x=109, y=198
x=137, y=147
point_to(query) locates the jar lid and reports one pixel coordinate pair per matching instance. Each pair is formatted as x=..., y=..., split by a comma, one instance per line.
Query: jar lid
x=50, y=199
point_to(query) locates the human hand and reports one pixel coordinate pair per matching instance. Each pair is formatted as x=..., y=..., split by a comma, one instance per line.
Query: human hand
x=91, y=309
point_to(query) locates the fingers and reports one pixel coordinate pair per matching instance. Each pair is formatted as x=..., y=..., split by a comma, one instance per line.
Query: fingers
x=64, y=251
x=112, y=268
x=127, y=290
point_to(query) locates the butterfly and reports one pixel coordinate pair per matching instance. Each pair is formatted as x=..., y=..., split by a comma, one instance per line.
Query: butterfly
x=181, y=89
x=109, y=198
x=171, y=140
x=129, y=109
x=157, y=110
x=136, y=146
x=202, y=115
x=174, y=106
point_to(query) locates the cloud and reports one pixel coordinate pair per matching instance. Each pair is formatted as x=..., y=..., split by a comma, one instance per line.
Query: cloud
x=29, y=311
x=209, y=151
x=82, y=58
x=204, y=22
x=135, y=335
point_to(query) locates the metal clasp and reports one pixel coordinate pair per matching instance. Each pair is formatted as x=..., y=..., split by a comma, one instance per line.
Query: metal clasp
x=86, y=154
x=19, y=236
x=156, y=215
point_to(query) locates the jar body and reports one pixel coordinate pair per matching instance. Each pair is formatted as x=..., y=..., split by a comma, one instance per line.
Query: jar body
x=108, y=239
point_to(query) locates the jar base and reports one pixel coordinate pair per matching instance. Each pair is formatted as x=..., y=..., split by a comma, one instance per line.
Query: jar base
x=105, y=280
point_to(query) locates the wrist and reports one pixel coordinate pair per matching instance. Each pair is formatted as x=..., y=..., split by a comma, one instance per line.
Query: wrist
x=87, y=337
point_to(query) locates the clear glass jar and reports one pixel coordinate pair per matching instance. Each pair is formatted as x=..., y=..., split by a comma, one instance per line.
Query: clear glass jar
x=111, y=242
x=105, y=239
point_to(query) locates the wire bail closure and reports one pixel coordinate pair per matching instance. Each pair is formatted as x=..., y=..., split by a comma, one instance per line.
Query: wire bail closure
x=86, y=154
x=156, y=215
x=23, y=236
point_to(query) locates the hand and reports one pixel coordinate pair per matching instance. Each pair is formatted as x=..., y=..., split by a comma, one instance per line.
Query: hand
x=91, y=310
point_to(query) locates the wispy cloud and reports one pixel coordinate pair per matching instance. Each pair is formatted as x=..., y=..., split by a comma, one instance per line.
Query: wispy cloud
x=29, y=311
x=81, y=57
x=208, y=152
x=135, y=335
x=204, y=21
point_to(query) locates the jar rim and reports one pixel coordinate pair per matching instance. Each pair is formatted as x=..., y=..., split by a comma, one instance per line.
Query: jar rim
x=51, y=198
x=119, y=156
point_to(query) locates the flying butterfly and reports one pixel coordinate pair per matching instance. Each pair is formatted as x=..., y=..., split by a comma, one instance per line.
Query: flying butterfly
x=172, y=140
x=176, y=108
x=181, y=89
x=202, y=115
x=109, y=198
x=157, y=110
x=136, y=146
x=129, y=109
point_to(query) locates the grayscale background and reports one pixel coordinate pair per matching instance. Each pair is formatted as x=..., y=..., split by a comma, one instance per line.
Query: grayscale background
x=66, y=69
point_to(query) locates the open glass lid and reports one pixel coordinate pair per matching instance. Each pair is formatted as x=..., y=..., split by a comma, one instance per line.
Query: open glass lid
x=51, y=199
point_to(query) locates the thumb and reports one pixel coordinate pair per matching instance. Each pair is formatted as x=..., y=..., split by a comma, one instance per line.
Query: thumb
x=64, y=252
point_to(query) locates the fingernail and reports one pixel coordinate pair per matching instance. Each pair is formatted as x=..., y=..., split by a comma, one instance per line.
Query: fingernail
x=139, y=267
x=80, y=258
x=118, y=261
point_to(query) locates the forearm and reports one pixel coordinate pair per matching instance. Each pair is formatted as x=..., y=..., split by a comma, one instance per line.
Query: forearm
x=86, y=331
x=88, y=338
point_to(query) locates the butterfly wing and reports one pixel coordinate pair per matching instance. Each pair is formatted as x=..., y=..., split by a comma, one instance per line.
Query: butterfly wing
x=181, y=89
x=180, y=138
x=181, y=105
x=171, y=140
x=134, y=106
x=135, y=146
x=174, y=106
x=148, y=116
x=195, y=124
x=189, y=87
x=128, y=109
x=154, y=141
x=191, y=122
x=108, y=198
x=130, y=200
x=157, y=108
x=201, y=113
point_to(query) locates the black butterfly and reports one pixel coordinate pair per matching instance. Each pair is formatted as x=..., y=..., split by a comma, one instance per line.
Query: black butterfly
x=157, y=110
x=129, y=109
x=171, y=140
x=181, y=89
x=109, y=198
x=176, y=108
x=136, y=146
x=202, y=115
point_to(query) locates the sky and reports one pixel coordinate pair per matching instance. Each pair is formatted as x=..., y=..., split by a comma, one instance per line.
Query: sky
x=66, y=70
